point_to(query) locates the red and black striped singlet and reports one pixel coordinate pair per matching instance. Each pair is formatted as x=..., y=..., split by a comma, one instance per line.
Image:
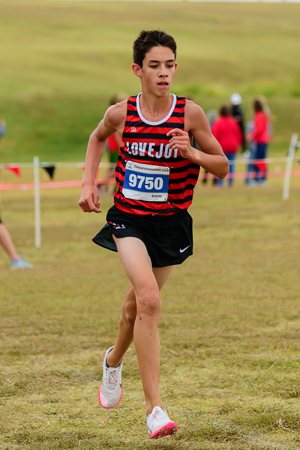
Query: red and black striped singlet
x=151, y=178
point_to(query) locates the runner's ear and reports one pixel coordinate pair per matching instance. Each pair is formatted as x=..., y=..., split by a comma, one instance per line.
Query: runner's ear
x=136, y=70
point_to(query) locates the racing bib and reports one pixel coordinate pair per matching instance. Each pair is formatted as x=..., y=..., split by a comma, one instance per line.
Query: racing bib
x=146, y=182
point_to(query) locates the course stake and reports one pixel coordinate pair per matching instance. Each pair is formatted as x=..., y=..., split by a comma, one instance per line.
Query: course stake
x=37, y=207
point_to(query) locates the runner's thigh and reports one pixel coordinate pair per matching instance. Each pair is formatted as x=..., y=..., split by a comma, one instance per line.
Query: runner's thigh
x=161, y=274
x=136, y=263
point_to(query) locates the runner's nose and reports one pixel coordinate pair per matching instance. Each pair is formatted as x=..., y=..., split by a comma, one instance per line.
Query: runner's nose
x=163, y=71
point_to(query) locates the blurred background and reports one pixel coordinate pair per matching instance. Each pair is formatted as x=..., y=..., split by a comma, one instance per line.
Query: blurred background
x=62, y=61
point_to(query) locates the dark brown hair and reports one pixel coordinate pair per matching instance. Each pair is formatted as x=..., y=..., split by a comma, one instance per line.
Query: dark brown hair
x=148, y=39
x=258, y=106
x=225, y=111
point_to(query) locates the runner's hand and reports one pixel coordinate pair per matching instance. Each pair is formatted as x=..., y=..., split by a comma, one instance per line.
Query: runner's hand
x=89, y=199
x=180, y=139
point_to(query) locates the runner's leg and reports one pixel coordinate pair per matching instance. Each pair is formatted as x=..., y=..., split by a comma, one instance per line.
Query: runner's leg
x=127, y=319
x=146, y=283
x=7, y=243
x=126, y=325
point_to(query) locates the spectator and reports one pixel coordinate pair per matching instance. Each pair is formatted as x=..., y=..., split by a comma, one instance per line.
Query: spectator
x=16, y=262
x=228, y=133
x=237, y=112
x=2, y=127
x=211, y=115
x=259, y=138
x=250, y=155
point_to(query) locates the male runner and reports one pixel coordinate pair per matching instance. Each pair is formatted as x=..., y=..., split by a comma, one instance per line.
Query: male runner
x=149, y=225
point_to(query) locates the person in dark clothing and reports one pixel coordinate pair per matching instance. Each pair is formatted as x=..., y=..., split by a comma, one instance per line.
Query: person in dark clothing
x=237, y=112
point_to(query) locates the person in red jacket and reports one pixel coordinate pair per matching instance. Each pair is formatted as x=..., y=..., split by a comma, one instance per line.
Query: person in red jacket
x=228, y=133
x=259, y=138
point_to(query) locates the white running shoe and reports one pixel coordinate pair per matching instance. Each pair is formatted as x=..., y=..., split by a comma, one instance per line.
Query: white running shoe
x=159, y=423
x=110, y=391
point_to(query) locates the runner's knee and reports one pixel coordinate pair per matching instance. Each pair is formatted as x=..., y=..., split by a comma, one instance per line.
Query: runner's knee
x=149, y=303
x=129, y=307
x=129, y=313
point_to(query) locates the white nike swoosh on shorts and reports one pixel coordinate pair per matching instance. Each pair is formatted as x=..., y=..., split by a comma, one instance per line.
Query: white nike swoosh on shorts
x=184, y=249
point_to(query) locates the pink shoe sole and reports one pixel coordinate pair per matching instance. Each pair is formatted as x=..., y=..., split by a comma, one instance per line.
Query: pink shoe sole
x=102, y=401
x=168, y=429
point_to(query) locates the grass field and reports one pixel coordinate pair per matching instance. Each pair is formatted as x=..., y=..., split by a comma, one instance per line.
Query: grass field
x=229, y=328
x=62, y=60
x=230, y=325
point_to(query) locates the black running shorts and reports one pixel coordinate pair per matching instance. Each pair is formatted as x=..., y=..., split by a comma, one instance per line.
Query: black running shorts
x=168, y=239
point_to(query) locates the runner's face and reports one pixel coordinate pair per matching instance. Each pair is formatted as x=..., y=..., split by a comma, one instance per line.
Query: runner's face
x=158, y=70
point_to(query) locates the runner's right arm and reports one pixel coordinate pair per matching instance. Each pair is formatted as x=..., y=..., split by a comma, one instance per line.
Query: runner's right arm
x=113, y=120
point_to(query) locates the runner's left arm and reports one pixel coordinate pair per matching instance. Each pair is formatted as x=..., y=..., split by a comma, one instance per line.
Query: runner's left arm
x=210, y=156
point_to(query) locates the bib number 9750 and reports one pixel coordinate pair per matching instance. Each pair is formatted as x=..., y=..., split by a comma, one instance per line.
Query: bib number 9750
x=146, y=182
